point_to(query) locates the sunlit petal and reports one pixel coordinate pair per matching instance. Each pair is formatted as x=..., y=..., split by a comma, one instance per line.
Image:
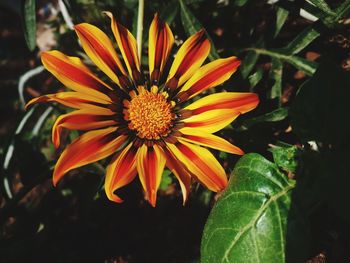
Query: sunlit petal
x=120, y=172
x=83, y=120
x=150, y=165
x=188, y=59
x=100, y=49
x=161, y=40
x=74, y=74
x=88, y=148
x=210, y=140
x=128, y=47
x=208, y=76
x=201, y=163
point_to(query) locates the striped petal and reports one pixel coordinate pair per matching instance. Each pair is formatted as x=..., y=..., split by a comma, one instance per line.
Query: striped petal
x=180, y=171
x=100, y=49
x=161, y=40
x=74, y=74
x=210, y=121
x=75, y=100
x=210, y=140
x=238, y=101
x=88, y=148
x=83, y=120
x=128, y=47
x=188, y=59
x=208, y=76
x=201, y=163
x=120, y=172
x=150, y=165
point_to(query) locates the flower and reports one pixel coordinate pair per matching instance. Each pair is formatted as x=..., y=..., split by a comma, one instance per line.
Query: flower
x=145, y=122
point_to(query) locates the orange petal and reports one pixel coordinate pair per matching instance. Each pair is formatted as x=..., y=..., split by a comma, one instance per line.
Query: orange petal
x=188, y=59
x=75, y=100
x=239, y=101
x=83, y=120
x=161, y=40
x=74, y=74
x=210, y=140
x=100, y=49
x=210, y=121
x=128, y=47
x=201, y=163
x=180, y=171
x=150, y=165
x=120, y=172
x=88, y=148
x=208, y=76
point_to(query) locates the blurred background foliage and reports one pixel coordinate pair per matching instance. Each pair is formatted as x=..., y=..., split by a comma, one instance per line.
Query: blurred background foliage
x=295, y=56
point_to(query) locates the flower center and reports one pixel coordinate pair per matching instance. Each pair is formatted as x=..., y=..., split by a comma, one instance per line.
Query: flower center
x=149, y=114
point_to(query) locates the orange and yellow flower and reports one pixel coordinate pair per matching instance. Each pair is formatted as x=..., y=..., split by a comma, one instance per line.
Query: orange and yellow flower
x=146, y=123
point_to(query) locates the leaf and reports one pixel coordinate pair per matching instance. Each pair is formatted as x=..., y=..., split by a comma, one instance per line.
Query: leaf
x=281, y=17
x=286, y=157
x=170, y=11
x=240, y=2
x=250, y=59
x=166, y=180
x=252, y=220
x=255, y=78
x=309, y=67
x=29, y=23
x=276, y=75
x=192, y=25
x=276, y=115
x=302, y=40
x=322, y=5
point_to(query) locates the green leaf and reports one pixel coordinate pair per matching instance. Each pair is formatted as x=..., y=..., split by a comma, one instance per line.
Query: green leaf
x=250, y=60
x=192, y=25
x=276, y=75
x=281, y=17
x=170, y=11
x=276, y=115
x=29, y=23
x=252, y=220
x=302, y=40
x=166, y=180
x=322, y=5
x=240, y=2
x=286, y=157
x=309, y=67
x=255, y=78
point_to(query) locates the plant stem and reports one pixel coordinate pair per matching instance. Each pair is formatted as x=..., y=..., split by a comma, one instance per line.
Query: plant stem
x=140, y=26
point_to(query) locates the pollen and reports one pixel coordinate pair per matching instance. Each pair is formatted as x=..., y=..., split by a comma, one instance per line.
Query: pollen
x=149, y=114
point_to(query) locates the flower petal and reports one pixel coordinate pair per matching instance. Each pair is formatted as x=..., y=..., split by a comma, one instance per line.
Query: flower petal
x=180, y=171
x=120, y=172
x=210, y=140
x=238, y=101
x=74, y=74
x=75, y=100
x=201, y=163
x=150, y=165
x=208, y=76
x=210, y=121
x=161, y=40
x=88, y=148
x=188, y=59
x=100, y=49
x=83, y=120
x=128, y=47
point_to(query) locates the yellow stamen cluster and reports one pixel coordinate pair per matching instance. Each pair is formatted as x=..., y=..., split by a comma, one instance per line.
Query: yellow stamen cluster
x=149, y=114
